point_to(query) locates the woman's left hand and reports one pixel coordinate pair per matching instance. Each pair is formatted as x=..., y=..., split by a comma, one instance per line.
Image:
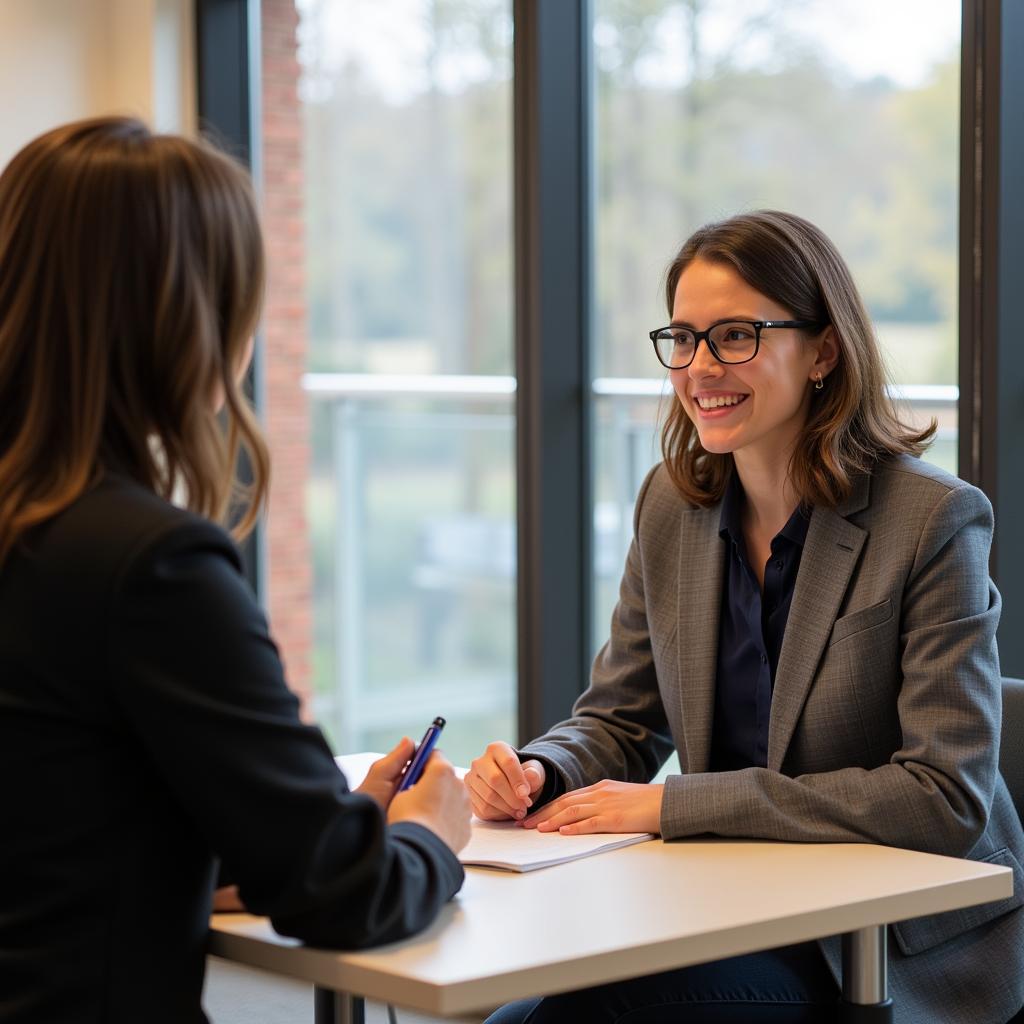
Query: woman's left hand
x=382, y=779
x=604, y=807
x=226, y=901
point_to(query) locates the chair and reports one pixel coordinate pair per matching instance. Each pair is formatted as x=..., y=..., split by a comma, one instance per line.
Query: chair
x=1011, y=763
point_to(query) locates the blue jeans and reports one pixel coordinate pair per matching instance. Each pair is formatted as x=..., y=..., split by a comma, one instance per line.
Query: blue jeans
x=791, y=985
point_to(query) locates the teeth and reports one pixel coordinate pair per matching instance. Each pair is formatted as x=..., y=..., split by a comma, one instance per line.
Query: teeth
x=715, y=403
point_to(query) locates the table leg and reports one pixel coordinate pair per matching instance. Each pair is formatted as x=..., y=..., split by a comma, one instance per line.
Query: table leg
x=331, y=1007
x=865, y=982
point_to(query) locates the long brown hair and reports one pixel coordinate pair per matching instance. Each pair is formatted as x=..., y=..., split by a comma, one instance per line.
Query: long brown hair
x=852, y=423
x=131, y=280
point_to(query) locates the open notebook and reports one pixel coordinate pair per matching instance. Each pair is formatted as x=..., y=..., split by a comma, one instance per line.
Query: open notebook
x=503, y=844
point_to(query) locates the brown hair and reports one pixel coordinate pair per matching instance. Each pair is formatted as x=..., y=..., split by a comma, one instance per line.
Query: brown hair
x=852, y=423
x=131, y=279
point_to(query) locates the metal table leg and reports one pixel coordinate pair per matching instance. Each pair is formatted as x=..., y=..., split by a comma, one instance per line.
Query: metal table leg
x=331, y=1007
x=865, y=982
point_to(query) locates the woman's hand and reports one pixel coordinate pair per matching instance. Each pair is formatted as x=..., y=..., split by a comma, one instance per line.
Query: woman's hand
x=500, y=787
x=226, y=901
x=438, y=801
x=604, y=807
x=382, y=779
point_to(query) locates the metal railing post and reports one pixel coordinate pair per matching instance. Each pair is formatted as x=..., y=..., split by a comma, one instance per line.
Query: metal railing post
x=349, y=635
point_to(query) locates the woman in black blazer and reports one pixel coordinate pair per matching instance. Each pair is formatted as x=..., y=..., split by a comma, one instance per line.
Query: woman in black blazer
x=146, y=729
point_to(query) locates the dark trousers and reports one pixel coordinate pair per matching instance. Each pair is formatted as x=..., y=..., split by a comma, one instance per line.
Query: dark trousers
x=792, y=985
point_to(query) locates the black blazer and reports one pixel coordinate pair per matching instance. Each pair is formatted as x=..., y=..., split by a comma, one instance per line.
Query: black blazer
x=145, y=731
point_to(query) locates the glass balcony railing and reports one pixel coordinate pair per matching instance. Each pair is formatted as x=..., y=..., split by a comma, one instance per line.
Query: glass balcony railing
x=412, y=511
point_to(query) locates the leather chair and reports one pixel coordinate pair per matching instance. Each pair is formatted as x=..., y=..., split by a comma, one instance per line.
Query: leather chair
x=1011, y=755
x=1011, y=747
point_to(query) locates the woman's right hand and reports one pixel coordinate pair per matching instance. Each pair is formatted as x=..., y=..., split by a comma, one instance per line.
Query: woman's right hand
x=500, y=786
x=438, y=802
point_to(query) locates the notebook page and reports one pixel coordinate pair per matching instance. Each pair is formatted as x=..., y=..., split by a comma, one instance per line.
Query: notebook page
x=504, y=844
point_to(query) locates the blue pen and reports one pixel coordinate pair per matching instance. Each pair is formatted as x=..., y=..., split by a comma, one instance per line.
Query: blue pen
x=414, y=769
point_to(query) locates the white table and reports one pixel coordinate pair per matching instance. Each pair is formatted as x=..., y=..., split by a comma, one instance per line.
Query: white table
x=632, y=912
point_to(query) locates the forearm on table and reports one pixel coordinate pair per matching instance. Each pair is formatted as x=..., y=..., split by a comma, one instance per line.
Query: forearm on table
x=393, y=894
x=895, y=805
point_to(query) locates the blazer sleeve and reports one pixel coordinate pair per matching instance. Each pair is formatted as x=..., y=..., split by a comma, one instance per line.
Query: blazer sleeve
x=935, y=792
x=195, y=674
x=618, y=728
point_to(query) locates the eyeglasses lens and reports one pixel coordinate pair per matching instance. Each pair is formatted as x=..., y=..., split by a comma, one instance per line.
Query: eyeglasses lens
x=731, y=342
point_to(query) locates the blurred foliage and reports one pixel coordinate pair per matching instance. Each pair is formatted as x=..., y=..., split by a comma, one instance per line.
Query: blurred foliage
x=409, y=199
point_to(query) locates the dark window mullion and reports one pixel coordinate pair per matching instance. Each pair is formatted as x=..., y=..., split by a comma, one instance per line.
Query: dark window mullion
x=553, y=282
x=1006, y=379
x=991, y=269
x=227, y=90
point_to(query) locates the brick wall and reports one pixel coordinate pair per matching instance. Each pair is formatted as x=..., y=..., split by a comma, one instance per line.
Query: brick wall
x=286, y=415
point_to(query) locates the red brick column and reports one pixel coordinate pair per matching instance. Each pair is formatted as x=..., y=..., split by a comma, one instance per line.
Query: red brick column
x=286, y=415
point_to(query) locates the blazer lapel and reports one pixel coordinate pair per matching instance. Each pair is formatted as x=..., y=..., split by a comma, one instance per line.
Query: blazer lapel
x=701, y=562
x=830, y=555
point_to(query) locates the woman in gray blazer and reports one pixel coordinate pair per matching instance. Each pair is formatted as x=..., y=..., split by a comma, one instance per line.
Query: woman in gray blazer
x=806, y=618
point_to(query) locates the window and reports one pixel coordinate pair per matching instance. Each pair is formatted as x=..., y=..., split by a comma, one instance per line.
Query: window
x=844, y=111
x=396, y=246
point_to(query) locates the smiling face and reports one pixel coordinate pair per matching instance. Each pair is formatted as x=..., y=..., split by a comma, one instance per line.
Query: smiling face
x=758, y=408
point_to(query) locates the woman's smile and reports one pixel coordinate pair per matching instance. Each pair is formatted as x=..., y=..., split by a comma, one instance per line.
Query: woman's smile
x=717, y=404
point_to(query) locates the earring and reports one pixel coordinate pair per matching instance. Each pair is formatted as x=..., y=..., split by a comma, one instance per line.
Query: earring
x=818, y=384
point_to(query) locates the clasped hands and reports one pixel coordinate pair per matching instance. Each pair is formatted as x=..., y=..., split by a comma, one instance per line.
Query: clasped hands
x=500, y=787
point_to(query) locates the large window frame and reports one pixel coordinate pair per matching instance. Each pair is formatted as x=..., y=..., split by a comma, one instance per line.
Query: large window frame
x=228, y=102
x=991, y=269
x=553, y=100
x=553, y=284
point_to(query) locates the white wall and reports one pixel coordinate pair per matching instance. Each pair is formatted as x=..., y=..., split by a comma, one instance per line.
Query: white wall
x=65, y=59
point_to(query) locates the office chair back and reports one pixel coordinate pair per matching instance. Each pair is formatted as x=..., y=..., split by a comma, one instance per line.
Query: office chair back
x=1011, y=755
x=1011, y=746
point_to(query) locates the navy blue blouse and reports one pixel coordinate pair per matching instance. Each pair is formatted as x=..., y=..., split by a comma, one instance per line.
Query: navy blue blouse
x=750, y=634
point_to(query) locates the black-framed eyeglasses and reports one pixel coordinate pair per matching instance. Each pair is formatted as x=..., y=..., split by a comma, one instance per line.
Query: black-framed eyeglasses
x=730, y=341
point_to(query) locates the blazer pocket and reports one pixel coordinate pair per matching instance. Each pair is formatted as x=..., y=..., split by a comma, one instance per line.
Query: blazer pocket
x=857, y=622
x=921, y=933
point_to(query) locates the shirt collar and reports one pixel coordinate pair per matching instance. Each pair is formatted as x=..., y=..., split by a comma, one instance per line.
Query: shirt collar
x=795, y=529
x=730, y=520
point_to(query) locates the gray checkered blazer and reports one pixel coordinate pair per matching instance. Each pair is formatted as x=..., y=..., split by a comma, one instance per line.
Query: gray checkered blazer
x=885, y=715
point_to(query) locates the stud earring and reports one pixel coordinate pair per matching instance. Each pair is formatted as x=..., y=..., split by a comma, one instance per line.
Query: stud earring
x=818, y=384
